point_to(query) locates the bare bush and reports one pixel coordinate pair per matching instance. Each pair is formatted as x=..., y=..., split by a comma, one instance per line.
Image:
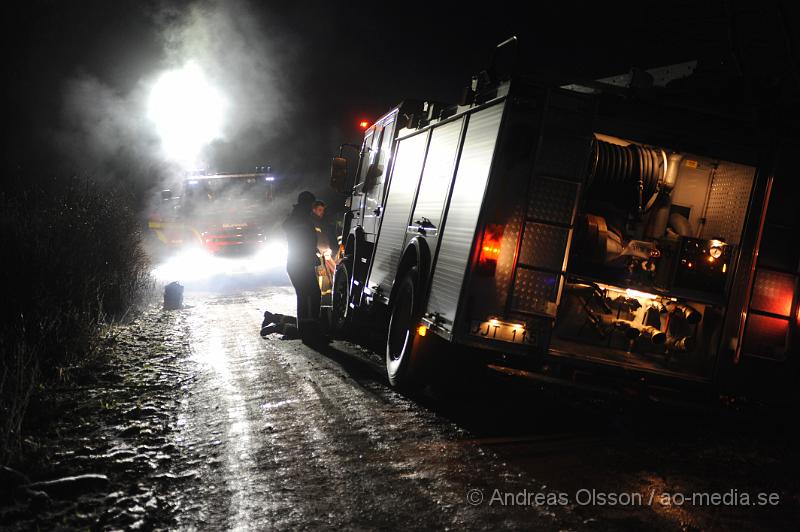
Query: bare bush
x=73, y=261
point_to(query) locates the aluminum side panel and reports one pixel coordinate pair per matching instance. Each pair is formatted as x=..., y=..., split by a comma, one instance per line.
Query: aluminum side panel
x=399, y=201
x=438, y=173
x=462, y=217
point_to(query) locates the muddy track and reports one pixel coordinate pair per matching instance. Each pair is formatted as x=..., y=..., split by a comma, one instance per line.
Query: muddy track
x=199, y=423
x=303, y=441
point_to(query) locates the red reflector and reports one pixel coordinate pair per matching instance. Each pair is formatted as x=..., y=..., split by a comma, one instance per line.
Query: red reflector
x=773, y=292
x=766, y=336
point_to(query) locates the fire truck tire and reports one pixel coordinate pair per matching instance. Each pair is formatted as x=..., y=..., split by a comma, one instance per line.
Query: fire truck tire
x=400, y=340
x=341, y=312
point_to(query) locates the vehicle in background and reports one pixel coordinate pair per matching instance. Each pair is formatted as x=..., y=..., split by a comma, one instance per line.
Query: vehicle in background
x=219, y=212
x=592, y=234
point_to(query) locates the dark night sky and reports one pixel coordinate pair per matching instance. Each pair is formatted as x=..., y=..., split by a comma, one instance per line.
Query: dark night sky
x=331, y=63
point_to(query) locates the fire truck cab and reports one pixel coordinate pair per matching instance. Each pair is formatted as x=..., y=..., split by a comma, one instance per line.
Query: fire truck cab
x=218, y=212
x=588, y=233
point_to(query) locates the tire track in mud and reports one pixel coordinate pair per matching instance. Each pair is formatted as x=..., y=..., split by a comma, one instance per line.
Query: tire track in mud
x=300, y=473
x=217, y=424
x=413, y=454
x=306, y=439
x=201, y=424
x=295, y=440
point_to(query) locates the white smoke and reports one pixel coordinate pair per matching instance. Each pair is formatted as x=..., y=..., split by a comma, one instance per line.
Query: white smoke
x=106, y=132
x=240, y=55
x=103, y=134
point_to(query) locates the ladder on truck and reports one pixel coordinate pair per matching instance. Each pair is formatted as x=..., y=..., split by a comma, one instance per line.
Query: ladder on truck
x=547, y=218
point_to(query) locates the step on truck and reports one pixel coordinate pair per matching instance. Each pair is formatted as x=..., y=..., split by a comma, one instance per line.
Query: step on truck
x=585, y=233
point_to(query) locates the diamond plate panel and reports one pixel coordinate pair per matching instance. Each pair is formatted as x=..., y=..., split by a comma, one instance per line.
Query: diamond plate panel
x=552, y=200
x=766, y=336
x=508, y=248
x=564, y=156
x=535, y=291
x=727, y=202
x=544, y=246
x=773, y=292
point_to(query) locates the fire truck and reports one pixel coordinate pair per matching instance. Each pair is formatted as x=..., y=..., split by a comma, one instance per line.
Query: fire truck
x=218, y=212
x=608, y=232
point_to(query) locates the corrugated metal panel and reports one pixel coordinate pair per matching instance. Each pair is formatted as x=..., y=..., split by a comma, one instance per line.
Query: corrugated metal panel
x=727, y=202
x=438, y=173
x=462, y=216
x=407, y=169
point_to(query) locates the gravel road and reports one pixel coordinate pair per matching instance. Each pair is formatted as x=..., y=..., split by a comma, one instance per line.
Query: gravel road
x=206, y=425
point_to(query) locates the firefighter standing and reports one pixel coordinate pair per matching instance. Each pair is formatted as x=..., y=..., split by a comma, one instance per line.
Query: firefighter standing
x=301, y=265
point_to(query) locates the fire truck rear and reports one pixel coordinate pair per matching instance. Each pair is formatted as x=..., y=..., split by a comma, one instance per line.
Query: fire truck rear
x=587, y=233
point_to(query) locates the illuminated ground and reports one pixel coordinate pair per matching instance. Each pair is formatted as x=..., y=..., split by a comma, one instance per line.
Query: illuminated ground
x=212, y=427
x=199, y=270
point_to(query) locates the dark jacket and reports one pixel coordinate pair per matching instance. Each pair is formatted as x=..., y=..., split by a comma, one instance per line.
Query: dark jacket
x=302, y=238
x=325, y=234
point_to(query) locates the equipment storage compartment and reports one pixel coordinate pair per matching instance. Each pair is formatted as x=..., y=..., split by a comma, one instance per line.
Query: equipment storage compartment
x=656, y=242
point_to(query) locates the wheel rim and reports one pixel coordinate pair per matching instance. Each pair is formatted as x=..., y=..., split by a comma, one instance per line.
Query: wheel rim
x=400, y=329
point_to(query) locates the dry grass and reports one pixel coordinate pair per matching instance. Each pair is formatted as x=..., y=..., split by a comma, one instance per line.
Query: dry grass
x=72, y=261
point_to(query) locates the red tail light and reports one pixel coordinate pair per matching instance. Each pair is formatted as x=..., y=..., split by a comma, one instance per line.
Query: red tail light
x=490, y=249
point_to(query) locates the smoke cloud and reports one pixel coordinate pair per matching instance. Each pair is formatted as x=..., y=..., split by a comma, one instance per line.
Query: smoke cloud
x=105, y=130
x=240, y=55
x=104, y=134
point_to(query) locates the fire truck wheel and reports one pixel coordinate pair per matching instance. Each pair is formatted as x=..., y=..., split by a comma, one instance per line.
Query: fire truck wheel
x=402, y=322
x=340, y=299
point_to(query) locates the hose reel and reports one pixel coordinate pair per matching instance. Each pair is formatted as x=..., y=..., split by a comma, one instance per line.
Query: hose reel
x=628, y=176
